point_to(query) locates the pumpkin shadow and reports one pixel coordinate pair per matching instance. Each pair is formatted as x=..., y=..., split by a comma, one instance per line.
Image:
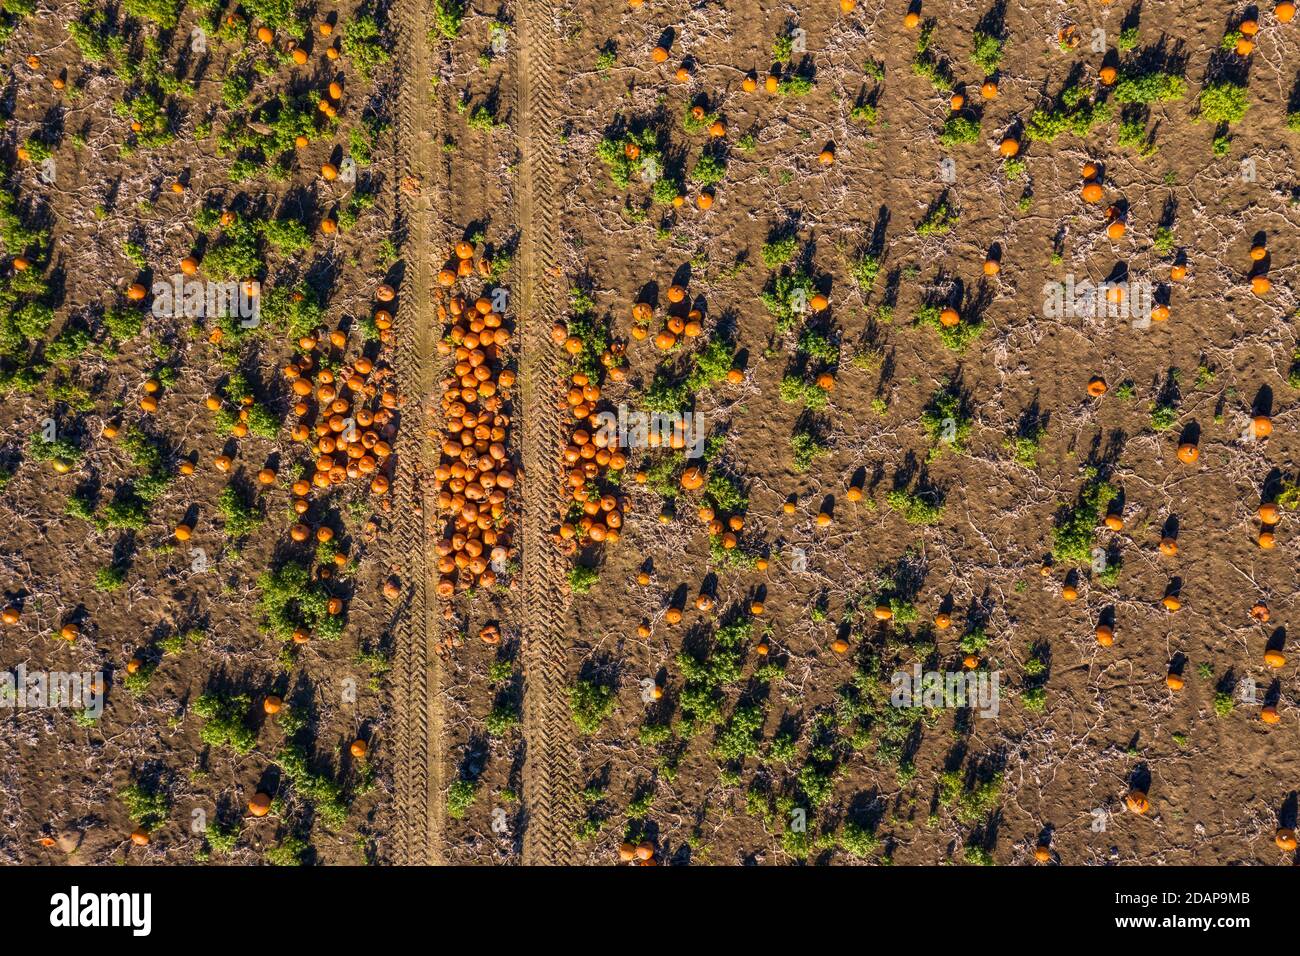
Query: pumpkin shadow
x=649, y=294
x=1178, y=664
x=1287, y=813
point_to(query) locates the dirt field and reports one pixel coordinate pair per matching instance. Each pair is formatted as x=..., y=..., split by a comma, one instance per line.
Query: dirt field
x=834, y=237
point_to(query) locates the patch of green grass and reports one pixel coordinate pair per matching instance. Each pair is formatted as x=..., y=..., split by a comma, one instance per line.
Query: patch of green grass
x=914, y=508
x=147, y=807
x=223, y=721
x=959, y=130
x=1074, y=536
x=987, y=54
x=590, y=703
x=1223, y=102
x=583, y=578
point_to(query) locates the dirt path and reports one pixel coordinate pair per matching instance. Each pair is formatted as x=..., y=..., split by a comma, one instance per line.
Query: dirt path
x=416, y=717
x=550, y=774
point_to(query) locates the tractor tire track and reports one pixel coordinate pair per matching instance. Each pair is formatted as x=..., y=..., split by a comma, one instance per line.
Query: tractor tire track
x=550, y=771
x=417, y=828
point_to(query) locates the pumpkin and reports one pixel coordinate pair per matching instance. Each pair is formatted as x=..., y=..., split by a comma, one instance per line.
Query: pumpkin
x=1285, y=839
x=970, y=661
x=183, y=532
x=942, y=621
x=839, y=645
x=911, y=20
x=260, y=805
x=1137, y=801
x=328, y=171
x=626, y=851
x=991, y=266
x=1042, y=854
x=1009, y=147
x=136, y=292
x=1260, y=285
x=10, y=615
x=358, y=748
x=1096, y=386
x=659, y=54
x=1285, y=12
x=1266, y=540
x=989, y=90
x=1188, y=453
x=140, y=837
x=692, y=479
x=69, y=631
x=957, y=102
x=1171, y=602
x=883, y=612
x=1262, y=426
x=1091, y=191
x=1107, y=75
x=1174, y=681
x=1259, y=612
x=1269, y=514
x=949, y=317
x=645, y=851
x=1105, y=635
x=826, y=157
x=1070, y=593
x=1249, y=27
x=272, y=704
x=1275, y=659
x=1168, y=547
x=1178, y=273
x=1269, y=715
x=1114, y=522
x=265, y=35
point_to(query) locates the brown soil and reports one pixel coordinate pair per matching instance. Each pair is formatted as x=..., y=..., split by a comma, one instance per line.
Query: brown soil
x=476, y=756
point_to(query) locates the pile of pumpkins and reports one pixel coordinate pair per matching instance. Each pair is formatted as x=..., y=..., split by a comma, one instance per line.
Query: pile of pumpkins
x=354, y=413
x=474, y=474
